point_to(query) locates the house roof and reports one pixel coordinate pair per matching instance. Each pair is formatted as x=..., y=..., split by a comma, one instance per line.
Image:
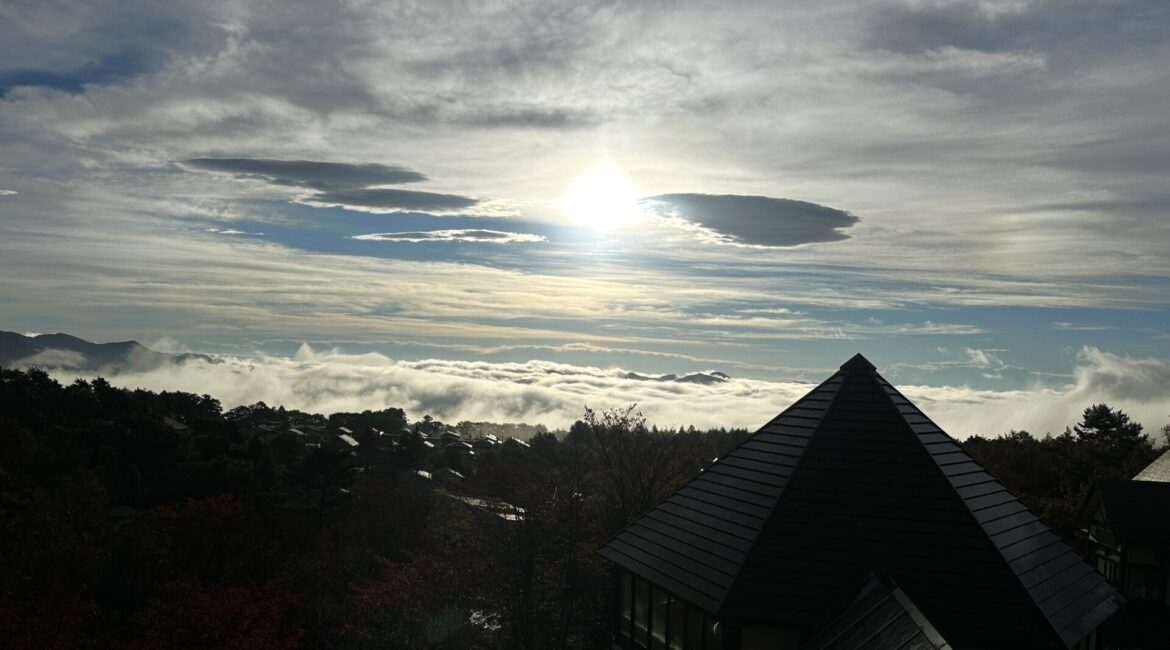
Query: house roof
x=1159, y=470
x=1137, y=511
x=849, y=478
x=880, y=616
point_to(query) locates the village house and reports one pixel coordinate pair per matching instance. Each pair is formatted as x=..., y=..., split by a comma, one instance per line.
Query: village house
x=1125, y=529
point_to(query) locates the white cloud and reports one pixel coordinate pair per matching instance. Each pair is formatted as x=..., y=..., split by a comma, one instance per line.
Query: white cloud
x=231, y=231
x=52, y=358
x=799, y=326
x=985, y=359
x=1079, y=327
x=465, y=235
x=1140, y=386
x=8, y=192
x=607, y=350
x=534, y=391
x=555, y=394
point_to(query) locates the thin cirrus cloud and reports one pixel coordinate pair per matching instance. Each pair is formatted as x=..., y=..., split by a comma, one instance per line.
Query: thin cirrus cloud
x=465, y=235
x=753, y=220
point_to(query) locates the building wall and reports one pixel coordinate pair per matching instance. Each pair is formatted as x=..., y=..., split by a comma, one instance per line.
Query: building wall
x=766, y=638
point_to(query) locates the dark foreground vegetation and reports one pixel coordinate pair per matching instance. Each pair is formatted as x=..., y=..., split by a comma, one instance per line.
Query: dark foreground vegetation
x=1052, y=474
x=133, y=519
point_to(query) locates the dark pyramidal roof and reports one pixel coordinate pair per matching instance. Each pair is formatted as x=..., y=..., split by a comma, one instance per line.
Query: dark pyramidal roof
x=853, y=479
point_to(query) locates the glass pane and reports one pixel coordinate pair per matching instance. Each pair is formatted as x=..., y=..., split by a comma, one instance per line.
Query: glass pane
x=714, y=634
x=641, y=611
x=694, y=638
x=678, y=620
x=660, y=603
x=625, y=604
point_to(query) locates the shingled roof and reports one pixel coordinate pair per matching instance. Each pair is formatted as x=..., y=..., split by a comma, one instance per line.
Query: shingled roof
x=879, y=615
x=850, y=479
x=1159, y=470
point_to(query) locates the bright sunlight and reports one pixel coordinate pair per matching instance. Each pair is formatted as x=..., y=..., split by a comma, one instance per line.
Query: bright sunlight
x=602, y=198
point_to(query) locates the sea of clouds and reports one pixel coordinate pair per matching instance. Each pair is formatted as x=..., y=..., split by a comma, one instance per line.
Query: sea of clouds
x=556, y=394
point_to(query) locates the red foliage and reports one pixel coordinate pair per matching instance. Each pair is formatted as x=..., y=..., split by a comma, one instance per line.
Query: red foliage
x=234, y=617
x=218, y=508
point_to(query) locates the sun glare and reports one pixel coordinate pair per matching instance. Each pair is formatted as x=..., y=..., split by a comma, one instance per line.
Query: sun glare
x=602, y=198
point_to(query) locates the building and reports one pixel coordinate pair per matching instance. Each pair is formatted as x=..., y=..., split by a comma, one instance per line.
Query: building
x=850, y=521
x=485, y=444
x=1159, y=470
x=1125, y=528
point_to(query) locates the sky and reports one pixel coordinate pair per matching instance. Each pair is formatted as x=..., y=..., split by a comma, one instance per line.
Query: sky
x=497, y=210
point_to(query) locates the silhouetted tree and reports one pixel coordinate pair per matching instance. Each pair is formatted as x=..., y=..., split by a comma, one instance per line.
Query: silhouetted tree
x=1111, y=427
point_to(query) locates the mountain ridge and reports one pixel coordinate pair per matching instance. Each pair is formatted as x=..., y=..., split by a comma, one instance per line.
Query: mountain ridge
x=705, y=378
x=67, y=352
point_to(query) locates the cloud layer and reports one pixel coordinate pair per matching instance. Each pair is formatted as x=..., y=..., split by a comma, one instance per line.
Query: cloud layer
x=465, y=235
x=308, y=173
x=331, y=184
x=391, y=200
x=555, y=394
x=984, y=220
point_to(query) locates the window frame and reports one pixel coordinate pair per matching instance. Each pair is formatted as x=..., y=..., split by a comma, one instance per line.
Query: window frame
x=629, y=635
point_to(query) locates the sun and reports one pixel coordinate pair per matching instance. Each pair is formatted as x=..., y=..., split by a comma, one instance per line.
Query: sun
x=602, y=198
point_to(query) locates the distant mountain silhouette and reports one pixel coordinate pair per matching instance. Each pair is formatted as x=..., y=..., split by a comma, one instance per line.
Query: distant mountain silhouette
x=62, y=351
x=705, y=378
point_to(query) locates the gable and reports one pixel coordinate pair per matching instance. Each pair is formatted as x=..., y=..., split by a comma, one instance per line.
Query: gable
x=880, y=616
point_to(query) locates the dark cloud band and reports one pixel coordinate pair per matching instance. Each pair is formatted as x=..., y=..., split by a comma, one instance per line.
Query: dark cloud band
x=387, y=199
x=309, y=173
x=756, y=220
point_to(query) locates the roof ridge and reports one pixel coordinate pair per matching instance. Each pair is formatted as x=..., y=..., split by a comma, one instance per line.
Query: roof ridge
x=720, y=459
x=843, y=372
x=857, y=361
x=889, y=391
x=785, y=435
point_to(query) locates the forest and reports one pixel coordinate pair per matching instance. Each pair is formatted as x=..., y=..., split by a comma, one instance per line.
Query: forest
x=135, y=519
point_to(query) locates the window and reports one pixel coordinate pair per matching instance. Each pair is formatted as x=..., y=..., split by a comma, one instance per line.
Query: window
x=714, y=634
x=646, y=616
x=1108, y=568
x=641, y=611
x=658, y=610
x=694, y=635
x=678, y=622
x=625, y=603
